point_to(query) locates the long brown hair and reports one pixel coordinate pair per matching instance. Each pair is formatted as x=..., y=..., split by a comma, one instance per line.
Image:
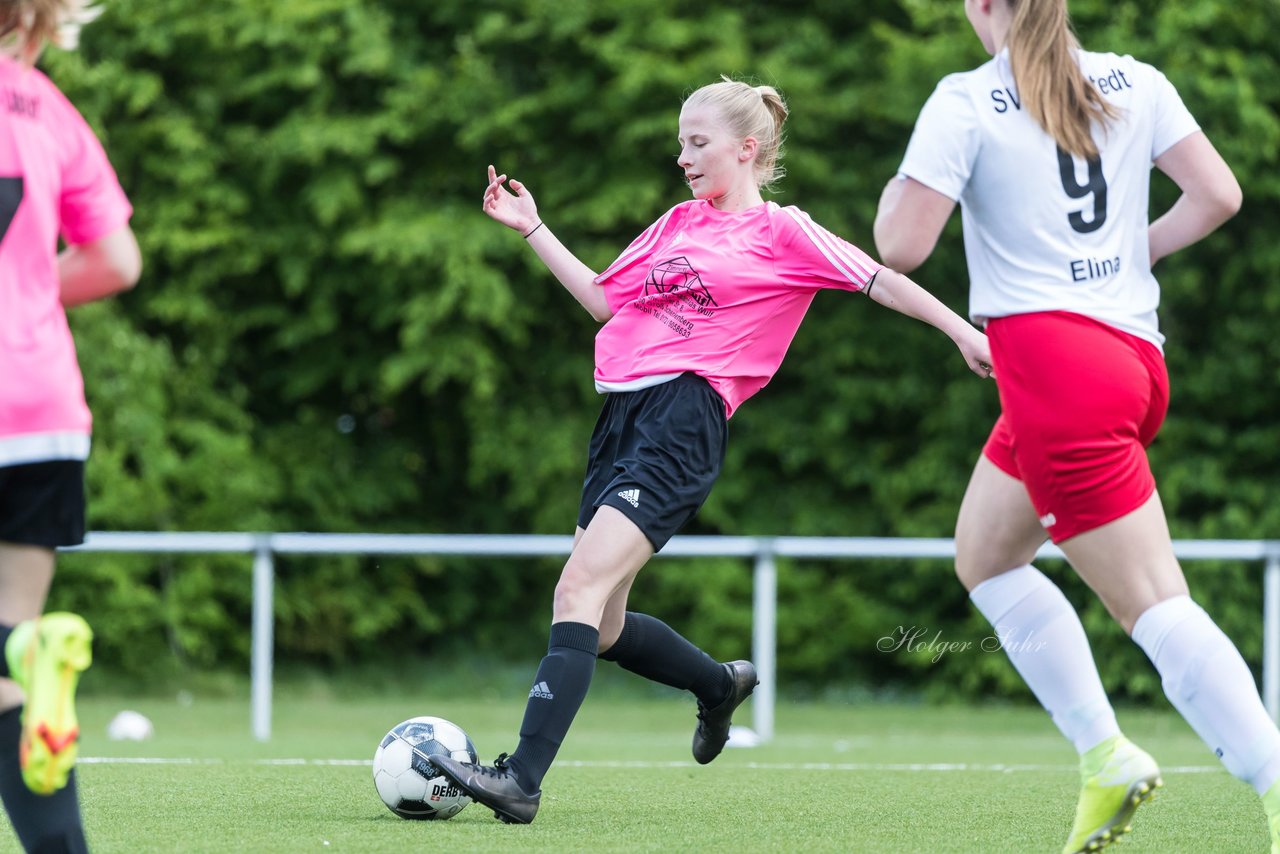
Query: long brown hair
x=27, y=25
x=1050, y=83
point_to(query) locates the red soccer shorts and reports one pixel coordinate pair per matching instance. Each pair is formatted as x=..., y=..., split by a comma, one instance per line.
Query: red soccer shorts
x=1080, y=402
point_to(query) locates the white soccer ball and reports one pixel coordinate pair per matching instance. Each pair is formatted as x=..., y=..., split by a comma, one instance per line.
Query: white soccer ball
x=407, y=782
x=130, y=726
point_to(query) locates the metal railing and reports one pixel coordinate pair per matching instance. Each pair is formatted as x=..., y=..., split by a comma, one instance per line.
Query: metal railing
x=763, y=551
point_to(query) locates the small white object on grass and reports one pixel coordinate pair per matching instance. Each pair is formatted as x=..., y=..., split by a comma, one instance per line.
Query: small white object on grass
x=130, y=726
x=742, y=736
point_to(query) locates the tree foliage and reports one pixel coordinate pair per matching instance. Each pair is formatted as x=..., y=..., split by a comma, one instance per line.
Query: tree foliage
x=331, y=336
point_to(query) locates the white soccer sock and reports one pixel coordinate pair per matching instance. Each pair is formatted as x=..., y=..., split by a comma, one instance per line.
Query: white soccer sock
x=1209, y=683
x=1041, y=633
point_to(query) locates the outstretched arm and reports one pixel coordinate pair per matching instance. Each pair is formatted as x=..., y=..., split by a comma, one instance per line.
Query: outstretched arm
x=894, y=290
x=518, y=211
x=1210, y=195
x=100, y=268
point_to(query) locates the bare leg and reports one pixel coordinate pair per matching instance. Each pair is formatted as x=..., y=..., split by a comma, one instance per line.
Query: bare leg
x=25, y=575
x=600, y=570
x=615, y=610
x=605, y=559
x=997, y=536
x=42, y=822
x=1129, y=563
x=997, y=529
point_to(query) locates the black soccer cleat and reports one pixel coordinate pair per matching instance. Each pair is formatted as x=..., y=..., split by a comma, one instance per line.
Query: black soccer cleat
x=495, y=787
x=713, y=724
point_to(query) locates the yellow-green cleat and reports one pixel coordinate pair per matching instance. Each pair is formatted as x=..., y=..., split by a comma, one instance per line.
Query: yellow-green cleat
x=1118, y=778
x=46, y=657
x=1271, y=803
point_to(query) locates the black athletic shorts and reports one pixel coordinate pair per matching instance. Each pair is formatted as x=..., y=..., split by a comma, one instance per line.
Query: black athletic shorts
x=654, y=455
x=42, y=504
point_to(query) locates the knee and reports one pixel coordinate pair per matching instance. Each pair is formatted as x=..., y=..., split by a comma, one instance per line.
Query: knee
x=1127, y=608
x=979, y=558
x=575, y=593
x=972, y=562
x=974, y=566
x=567, y=596
x=1144, y=589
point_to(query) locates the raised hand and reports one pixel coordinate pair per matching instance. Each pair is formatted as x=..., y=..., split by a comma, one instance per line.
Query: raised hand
x=515, y=210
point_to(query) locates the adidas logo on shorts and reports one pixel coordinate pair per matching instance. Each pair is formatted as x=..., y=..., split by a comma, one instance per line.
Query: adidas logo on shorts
x=631, y=496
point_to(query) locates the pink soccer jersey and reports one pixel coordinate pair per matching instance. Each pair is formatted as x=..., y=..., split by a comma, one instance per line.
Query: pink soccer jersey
x=719, y=294
x=55, y=181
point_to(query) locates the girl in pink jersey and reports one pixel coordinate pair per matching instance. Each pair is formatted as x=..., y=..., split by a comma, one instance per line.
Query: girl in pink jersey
x=55, y=183
x=698, y=313
x=1049, y=148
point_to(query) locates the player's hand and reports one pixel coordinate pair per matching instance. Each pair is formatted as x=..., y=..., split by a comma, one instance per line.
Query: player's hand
x=515, y=210
x=977, y=352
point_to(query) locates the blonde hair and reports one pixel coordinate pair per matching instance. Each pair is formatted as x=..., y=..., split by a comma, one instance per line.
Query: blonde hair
x=1050, y=83
x=755, y=111
x=27, y=25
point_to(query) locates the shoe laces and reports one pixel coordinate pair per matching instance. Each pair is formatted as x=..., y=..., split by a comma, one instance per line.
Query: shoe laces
x=498, y=769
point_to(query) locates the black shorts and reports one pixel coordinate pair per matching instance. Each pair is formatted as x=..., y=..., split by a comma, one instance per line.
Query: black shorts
x=42, y=504
x=655, y=454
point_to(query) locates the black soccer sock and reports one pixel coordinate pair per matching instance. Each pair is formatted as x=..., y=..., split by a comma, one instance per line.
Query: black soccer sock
x=557, y=694
x=5, y=631
x=45, y=824
x=652, y=649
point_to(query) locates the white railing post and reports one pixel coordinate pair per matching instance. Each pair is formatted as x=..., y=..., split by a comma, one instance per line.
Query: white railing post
x=263, y=643
x=1271, y=634
x=764, y=639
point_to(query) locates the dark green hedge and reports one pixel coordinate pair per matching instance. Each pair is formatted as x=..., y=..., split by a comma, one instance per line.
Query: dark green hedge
x=330, y=335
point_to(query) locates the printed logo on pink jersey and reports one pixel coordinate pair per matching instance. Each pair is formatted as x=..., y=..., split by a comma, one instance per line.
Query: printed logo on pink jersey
x=674, y=275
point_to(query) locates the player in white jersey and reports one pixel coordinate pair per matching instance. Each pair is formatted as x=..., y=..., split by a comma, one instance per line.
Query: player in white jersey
x=1048, y=150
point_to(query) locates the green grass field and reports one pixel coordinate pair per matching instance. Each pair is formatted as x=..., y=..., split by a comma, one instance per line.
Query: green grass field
x=837, y=777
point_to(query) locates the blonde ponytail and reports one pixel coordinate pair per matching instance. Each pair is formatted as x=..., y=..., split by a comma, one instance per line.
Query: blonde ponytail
x=1052, y=87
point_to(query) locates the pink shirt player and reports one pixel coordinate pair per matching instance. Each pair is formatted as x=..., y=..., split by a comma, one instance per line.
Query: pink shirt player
x=719, y=294
x=698, y=313
x=55, y=182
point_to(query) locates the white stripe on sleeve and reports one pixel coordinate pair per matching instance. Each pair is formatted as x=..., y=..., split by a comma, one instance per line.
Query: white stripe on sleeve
x=849, y=261
x=639, y=247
